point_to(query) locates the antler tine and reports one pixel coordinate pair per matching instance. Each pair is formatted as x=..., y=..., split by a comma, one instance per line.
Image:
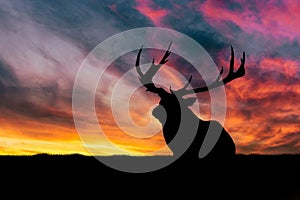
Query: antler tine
x=166, y=55
x=146, y=79
x=219, y=81
x=240, y=71
x=137, y=63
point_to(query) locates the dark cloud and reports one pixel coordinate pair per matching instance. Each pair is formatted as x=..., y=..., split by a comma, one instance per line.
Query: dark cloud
x=261, y=74
x=289, y=119
x=246, y=113
x=126, y=13
x=288, y=50
x=276, y=98
x=286, y=147
x=193, y=24
x=36, y=104
x=77, y=20
x=7, y=75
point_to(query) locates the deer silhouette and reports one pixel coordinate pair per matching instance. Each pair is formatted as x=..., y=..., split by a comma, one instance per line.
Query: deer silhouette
x=175, y=116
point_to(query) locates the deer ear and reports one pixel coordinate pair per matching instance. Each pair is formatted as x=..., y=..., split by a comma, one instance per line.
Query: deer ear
x=190, y=101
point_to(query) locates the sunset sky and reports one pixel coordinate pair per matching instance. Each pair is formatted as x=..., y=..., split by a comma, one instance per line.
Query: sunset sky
x=43, y=44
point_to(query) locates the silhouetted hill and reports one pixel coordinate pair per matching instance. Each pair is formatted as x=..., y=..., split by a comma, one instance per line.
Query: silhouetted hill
x=252, y=162
x=250, y=166
x=271, y=176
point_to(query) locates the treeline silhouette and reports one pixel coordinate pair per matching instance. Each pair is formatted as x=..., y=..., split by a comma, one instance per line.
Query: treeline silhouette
x=242, y=177
x=253, y=162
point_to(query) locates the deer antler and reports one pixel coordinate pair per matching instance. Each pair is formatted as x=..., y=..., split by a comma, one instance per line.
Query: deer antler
x=146, y=79
x=218, y=82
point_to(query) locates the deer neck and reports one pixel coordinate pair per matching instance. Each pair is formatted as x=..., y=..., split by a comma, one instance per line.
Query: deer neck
x=175, y=120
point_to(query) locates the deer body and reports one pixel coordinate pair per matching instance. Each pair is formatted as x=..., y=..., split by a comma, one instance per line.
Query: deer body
x=185, y=117
x=177, y=119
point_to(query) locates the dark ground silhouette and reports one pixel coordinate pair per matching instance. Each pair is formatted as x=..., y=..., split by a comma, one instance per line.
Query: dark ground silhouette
x=241, y=177
x=288, y=163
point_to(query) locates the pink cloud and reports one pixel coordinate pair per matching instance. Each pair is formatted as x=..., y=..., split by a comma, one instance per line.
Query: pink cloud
x=276, y=19
x=286, y=66
x=151, y=11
